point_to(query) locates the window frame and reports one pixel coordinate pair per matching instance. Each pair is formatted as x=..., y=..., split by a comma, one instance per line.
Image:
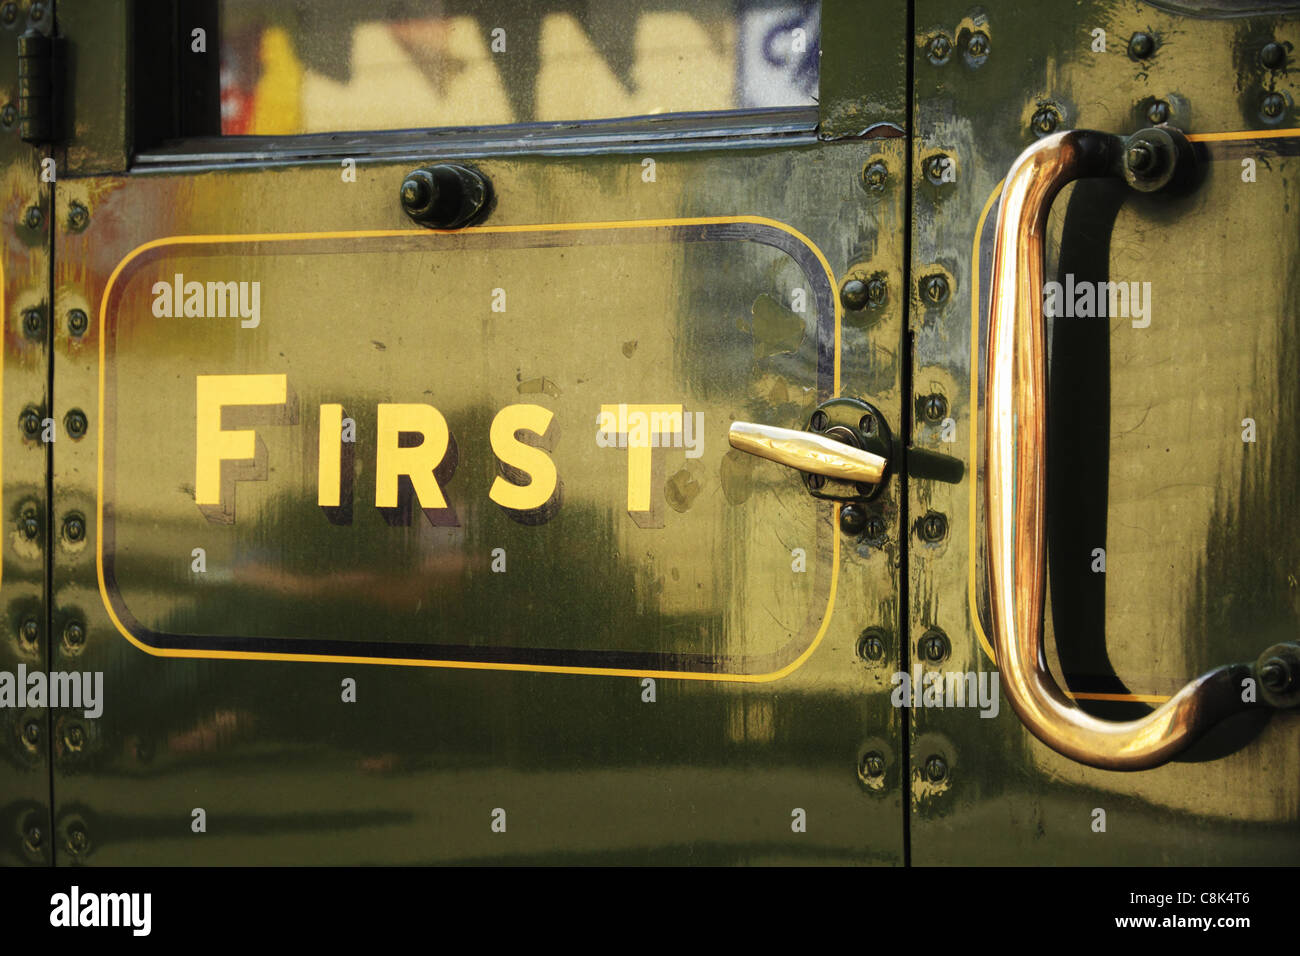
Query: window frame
x=143, y=113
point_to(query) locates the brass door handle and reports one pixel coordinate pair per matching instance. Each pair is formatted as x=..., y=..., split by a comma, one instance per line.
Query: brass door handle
x=809, y=452
x=846, y=451
x=1014, y=476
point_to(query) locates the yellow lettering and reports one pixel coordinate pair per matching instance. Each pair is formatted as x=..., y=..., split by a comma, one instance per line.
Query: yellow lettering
x=418, y=462
x=526, y=458
x=213, y=445
x=642, y=424
x=328, y=472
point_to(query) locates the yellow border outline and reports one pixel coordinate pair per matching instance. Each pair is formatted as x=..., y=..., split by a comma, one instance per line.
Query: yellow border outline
x=462, y=665
x=974, y=403
x=1245, y=134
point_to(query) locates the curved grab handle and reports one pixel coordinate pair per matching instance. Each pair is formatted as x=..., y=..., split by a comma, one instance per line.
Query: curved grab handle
x=1014, y=485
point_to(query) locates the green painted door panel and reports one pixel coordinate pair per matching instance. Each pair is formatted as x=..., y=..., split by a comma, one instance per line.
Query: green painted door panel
x=662, y=657
x=1170, y=541
x=499, y=656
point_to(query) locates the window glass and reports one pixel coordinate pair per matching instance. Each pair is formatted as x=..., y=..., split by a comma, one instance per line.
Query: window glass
x=331, y=65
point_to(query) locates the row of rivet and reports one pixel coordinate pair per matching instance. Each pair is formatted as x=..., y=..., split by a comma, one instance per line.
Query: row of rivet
x=74, y=634
x=73, y=734
x=78, y=217
x=933, y=647
x=76, y=839
x=34, y=322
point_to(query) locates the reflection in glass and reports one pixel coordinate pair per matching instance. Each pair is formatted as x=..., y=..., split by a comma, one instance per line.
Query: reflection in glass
x=331, y=65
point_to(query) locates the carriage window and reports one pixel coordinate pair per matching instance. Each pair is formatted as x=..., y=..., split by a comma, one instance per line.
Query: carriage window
x=333, y=65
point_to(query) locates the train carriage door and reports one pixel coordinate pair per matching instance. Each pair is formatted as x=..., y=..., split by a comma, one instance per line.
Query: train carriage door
x=492, y=420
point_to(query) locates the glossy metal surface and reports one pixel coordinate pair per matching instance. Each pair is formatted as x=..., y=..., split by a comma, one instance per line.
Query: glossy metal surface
x=26, y=743
x=1145, y=451
x=1015, y=484
x=593, y=767
x=586, y=769
x=814, y=454
x=711, y=771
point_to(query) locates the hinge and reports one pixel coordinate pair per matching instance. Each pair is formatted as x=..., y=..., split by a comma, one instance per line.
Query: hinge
x=40, y=86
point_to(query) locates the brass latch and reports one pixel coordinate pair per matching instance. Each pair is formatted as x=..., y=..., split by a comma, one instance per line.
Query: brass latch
x=846, y=452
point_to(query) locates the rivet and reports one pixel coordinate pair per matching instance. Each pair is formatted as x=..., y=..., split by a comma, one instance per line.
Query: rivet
x=816, y=481
x=937, y=167
x=33, y=838
x=934, y=526
x=936, y=768
x=30, y=630
x=1273, y=55
x=934, y=407
x=8, y=115
x=853, y=518
x=1158, y=112
x=978, y=45
x=939, y=48
x=935, y=289
x=33, y=322
x=33, y=218
x=78, y=839
x=873, y=765
x=77, y=322
x=875, y=527
x=1141, y=46
x=37, y=12
x=74, y=527
x=853, y=294
x=78, y=216
x=30, y=422
x=874, y=175
x=74, y=738
x=32, y=733
x=867, y=424
x=75, y=423
x=934, y=646
x=9, y=13
x=29, y=526
x=1273, y=105
x=1045, y=120
x=819, y=421
x=871, y=644
x=74, y=634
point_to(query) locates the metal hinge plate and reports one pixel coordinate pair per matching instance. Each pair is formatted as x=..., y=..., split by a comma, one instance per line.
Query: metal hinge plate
x=40, y=86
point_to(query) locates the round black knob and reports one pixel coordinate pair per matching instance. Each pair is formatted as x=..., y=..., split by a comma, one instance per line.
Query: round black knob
x=445, y=196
